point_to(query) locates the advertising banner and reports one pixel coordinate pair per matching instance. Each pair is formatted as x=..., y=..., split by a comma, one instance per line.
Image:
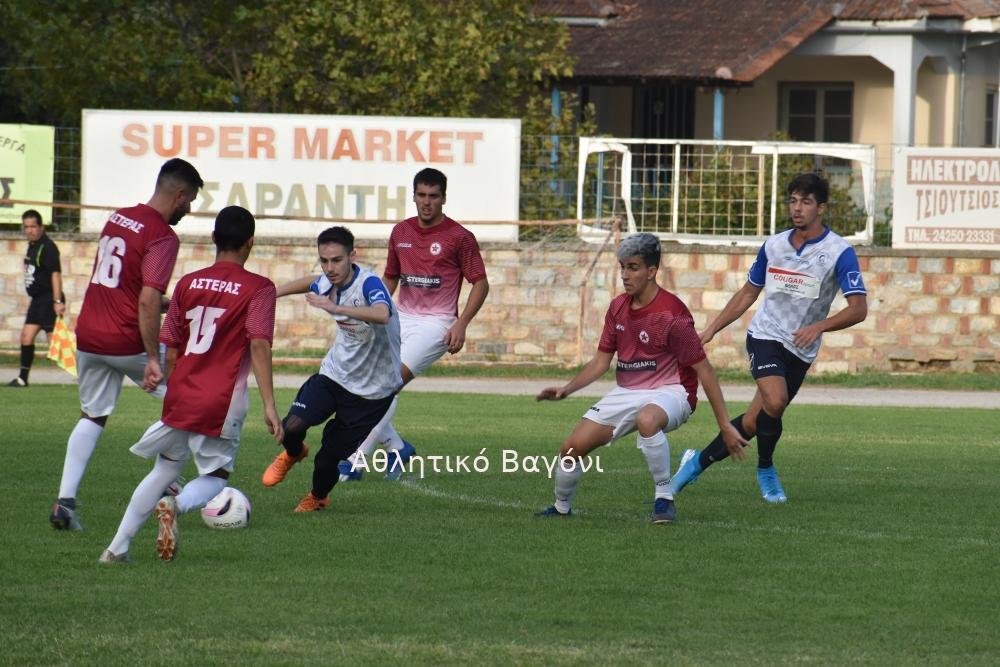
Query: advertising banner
x=293, y=171
x=946, y=198
x=27, y=163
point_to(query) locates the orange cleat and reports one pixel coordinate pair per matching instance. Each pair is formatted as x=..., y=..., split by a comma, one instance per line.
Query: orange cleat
x=282, y=463
x=312, y=504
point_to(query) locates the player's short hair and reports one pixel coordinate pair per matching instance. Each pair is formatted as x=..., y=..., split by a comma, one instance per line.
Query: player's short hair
x=645, y=245
x=810, y=184
x=178, y=171
x=32, y=213
x=430, y=176
x=339, y=235
x=234, y=226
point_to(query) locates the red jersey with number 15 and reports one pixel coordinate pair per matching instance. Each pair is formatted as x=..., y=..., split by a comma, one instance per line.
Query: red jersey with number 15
x=430, y=264
x=213, y=316
x=137, y=248
x=656, y=344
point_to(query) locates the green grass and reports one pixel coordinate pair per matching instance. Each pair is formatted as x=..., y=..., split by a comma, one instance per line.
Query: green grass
x=929, y=380
x=886, y=553
x=307, y=362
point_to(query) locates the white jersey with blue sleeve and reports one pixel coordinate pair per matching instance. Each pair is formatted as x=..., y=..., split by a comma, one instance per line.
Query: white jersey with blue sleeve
x=364, y=358
x=799, y=286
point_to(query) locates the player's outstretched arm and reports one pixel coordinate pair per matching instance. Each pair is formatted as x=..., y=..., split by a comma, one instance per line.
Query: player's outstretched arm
x=297, y=286
x=260, y=361
x=710, y=382
x=737, y=305
x=594, y=369
x=454, y=338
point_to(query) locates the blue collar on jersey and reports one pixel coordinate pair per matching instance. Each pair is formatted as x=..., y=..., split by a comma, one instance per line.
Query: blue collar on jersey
x=355, y=271
x=322, y=284
x=826, y=232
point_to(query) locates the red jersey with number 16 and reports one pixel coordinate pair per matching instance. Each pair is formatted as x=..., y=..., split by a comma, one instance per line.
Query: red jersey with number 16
x=656, y=344
x=137, y=248
x=430, y=264
x=213, y=316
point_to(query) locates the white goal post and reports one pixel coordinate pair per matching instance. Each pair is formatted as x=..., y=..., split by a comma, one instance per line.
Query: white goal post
x=666, y=179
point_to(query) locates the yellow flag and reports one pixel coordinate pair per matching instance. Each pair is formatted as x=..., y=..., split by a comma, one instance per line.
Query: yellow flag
x=62, y=347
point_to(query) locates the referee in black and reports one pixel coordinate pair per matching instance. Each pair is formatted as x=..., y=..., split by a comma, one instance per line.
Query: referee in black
x=43, y=282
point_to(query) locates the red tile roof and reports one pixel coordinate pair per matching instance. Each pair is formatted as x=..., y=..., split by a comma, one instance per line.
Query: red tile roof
x=881, y=10
x=717, y=40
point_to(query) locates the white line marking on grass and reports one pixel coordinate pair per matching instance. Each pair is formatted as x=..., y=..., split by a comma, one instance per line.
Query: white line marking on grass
x=422, y=488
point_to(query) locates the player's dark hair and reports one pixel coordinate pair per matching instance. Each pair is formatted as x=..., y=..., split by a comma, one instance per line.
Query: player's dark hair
x=431, y=177
x=32, y=213
x=179, y=171
x=810, y=184
x=234, y=226
x=339, y=235
x=644, y=245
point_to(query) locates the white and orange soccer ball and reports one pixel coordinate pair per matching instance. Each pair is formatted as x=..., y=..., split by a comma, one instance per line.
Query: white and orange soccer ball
x=229, y=509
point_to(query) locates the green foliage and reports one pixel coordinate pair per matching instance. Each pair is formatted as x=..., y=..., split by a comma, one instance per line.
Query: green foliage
x=721, y=192
x=70, y=55
x=396, y=57
x=479, y=58
x=549, y=147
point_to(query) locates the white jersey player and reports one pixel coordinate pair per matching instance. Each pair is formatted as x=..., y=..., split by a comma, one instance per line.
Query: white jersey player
x=359, y=376
x=800, y=272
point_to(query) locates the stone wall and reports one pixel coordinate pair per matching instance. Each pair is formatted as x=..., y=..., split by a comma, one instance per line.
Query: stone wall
x=926, y=310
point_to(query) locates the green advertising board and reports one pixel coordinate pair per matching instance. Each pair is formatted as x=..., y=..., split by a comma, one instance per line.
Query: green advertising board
x=27, y=161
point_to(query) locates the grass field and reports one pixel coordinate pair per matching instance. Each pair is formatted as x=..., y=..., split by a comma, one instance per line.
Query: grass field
x=887, y=551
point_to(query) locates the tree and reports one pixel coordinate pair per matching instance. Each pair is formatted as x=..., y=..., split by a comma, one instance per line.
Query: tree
x=381, y=57
x=65, y=56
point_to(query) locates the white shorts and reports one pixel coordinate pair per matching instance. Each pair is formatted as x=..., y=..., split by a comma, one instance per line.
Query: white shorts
x=210, y=454
x=101, y=380
x=421, y=340
x=619, y=407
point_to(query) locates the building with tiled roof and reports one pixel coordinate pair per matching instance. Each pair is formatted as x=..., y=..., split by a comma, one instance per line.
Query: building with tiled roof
x=884, y=72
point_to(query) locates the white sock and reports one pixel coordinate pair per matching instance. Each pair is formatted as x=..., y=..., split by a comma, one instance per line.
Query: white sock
x=656, y=449
x=376, y=436
x=393, y=441
x=143, y=501
x=79, y=448
x=566, y=483
x=198, y=492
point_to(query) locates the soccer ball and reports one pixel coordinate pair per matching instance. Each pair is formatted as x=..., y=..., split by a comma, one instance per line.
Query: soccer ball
x=229, y=509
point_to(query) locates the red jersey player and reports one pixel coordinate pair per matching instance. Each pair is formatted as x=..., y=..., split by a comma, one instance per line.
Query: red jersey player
x=116, y=332
x=660, y=362
x=219, y=326
x=428, y=257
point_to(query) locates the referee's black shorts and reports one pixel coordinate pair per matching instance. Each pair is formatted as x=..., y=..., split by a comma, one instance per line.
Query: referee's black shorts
x=41, y=311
